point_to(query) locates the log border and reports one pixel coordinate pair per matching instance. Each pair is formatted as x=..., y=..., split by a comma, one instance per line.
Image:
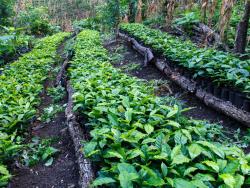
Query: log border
x=86, y=171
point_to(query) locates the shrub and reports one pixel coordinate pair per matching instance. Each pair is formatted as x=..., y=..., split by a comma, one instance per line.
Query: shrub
x=35, y=21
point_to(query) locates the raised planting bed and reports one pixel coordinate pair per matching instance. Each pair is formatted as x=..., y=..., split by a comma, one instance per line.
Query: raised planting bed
x=136, y=140
x=212, y=96
x=220, y=73
x=20, y=85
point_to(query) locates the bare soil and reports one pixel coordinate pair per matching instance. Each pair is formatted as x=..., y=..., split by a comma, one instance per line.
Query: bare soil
x=63, y=173
x=199, y=110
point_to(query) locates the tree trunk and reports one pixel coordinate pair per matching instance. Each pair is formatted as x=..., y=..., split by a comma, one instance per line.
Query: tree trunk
x=170, y=12
x=138, y=17
x=211, y=12
x=225, y=15
x=241, y=36
x=204, y=4
x=117, y=16
x=131, y=11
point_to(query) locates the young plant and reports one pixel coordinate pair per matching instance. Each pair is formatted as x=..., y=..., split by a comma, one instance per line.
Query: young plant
x=56, y=93
x=50, y=112
x=39, y=150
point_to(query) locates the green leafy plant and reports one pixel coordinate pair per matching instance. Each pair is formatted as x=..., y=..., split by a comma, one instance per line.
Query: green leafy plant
x=35, y=21
x=38, y=150
x=138, y=140
x=187, y=20
x=50, y=112
x=11, y=42
x=6, y=11
x=56, y=93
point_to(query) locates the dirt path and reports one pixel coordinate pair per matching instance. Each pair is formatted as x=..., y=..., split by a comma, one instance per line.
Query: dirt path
x=63, y=173
x=129, y=58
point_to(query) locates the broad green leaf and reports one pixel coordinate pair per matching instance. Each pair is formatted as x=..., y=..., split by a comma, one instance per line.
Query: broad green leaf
x=212, y=164
x=173, y=124
x=232, y=167
x=204, y=177
x=128, y=114
x=194, y=150
x=170, y=181
x=154, y=181
x=164, y=169
x=148, y=140
x=199, y=184
x=173, y=111
x=133, y=136
x=131, y=154
x=180, y=138
x=176, y=151
x=187, y=134
x=239, y=179
x=151, y=178
x=190, y=170
x=49, y=161
x=245, y=168
x=180, y=159
x=222, y=164
x=149, y=128
x=89, y=147
x=113, y=119
x=213, y=147
x=127, y=174
x=102, y=181
x=113, y=153
x=181, y=183
x=228, y=180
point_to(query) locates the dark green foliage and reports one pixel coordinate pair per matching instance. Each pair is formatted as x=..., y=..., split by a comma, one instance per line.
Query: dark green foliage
x=35, y=21
x=88, y=23
x=6, y=11
x=12, y=42
x=187, y=20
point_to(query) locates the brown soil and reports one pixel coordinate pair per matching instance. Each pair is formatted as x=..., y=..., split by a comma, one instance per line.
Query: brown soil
x=63, y=173
x=200, y=110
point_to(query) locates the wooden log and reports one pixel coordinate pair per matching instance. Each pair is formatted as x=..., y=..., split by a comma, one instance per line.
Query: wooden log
x=146, y=52
x=59, y=77
x=76, y=133
x=180, y=80
x=209, y=32
x=224, y=106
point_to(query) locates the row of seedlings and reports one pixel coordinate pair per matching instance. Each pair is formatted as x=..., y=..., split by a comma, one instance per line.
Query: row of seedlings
x=220, y=73
x=21, y=82
x=137, y=140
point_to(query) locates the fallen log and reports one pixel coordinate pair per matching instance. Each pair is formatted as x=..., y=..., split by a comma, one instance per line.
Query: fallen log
x=225, y=107
x=76, y=133
x=146, y=52
x=59, y=78
x=209, y=33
